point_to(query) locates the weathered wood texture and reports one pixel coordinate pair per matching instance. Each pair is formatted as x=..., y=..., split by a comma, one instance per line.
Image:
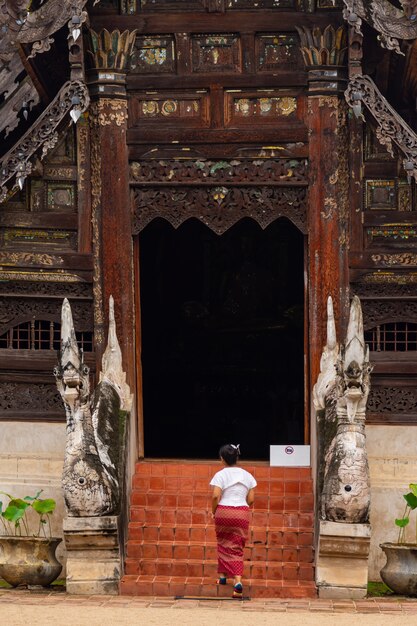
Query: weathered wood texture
x=113, y=257
x=383, y=240
x=328, y=220
x=42, y=261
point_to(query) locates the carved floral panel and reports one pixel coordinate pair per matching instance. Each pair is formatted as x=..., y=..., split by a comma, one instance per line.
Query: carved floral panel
x=392, y=400
x=249, y=108
x=278, y=52
x=35, y=239
x=191, y=109
x=387, y=282
x=219, y=207
x=59, y=172
x=405, y=196
x=240, y=5
x=170, y=5
x=153, y=55
x=267, y=171
x=390, y=288
x=79, y=291
x=23, y=399
x=392, y=259
x=216, y=53
x=15, y=310
x=329, y=4
x=377, y=312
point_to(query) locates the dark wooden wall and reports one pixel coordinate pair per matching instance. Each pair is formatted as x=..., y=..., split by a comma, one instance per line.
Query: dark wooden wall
x=218, y=124
x=383, y=261
x=45, y=256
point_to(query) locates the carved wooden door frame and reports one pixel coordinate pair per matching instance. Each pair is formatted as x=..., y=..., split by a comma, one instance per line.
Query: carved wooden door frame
x=219, y=194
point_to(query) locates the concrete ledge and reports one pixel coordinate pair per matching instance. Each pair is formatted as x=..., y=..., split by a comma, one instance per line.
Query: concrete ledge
x=342, y=593
x=93, y=555
x=342, y=560
x=341, y=529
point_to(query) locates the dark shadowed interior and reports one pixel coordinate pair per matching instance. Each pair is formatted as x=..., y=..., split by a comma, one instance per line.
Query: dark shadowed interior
x=222, y=338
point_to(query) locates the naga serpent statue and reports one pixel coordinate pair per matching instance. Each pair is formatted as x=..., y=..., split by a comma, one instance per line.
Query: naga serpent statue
x=340, y=396
x=92, y=465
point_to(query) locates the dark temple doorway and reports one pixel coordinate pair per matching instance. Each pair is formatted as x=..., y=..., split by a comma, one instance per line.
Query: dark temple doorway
x=222, y=338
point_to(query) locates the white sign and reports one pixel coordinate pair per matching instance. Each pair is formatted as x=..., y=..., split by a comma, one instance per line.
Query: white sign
x=289, y=456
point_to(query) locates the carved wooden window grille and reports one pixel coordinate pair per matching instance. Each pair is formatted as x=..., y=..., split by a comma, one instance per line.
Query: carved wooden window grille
x=392, y=337
x=41, y=335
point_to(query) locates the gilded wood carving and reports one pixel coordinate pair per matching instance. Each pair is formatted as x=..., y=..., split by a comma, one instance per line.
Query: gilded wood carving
x=16, y=164
x=219, y=207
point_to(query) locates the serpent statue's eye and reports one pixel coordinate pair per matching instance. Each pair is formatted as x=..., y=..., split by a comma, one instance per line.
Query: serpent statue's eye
x=348, y=488
x=81, y=481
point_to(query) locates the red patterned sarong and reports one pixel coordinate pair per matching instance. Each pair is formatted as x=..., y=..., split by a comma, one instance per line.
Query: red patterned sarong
x=232, y=526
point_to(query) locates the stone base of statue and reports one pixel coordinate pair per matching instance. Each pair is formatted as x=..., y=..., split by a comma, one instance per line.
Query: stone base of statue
x=342, y=561
x=93, y=555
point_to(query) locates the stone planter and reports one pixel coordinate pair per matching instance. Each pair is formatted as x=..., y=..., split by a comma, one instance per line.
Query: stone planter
x=29, y=560
x=400, y=570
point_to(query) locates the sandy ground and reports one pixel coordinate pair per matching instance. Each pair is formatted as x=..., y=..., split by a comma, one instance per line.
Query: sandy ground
x=24, y=614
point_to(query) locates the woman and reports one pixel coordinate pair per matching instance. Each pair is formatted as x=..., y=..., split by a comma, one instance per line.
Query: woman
x=233, y=494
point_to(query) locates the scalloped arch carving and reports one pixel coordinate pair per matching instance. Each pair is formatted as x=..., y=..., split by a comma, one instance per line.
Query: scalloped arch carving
x=378, y=312
x=219, y=208
x=15, y=311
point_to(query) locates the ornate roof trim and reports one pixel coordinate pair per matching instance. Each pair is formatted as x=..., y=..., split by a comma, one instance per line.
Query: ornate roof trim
x=391, y=23
x=18, y=26
x=43, y=134
x=391, y=126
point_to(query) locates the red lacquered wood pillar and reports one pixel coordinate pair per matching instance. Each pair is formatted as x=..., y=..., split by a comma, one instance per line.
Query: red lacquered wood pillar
x=111, y=215
x=328, y=231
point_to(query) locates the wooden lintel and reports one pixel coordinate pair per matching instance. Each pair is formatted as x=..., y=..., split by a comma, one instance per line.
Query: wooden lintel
x=264, y=21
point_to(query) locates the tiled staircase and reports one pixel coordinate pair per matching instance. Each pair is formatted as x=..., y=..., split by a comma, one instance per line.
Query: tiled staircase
x=171, y=548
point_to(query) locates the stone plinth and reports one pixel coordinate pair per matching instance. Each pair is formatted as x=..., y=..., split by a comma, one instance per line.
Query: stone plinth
x=93, y=555
x=342, y=561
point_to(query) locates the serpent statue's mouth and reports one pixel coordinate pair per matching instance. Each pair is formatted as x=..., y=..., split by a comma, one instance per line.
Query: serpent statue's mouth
x=354, y=384
x=71, y=381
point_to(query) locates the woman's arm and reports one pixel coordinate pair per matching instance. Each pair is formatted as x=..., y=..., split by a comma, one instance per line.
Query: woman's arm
x=217, y=493
x=250, y=498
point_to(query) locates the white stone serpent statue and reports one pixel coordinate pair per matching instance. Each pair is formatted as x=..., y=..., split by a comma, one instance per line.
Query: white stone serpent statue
x=340, y=396
x=92, y=465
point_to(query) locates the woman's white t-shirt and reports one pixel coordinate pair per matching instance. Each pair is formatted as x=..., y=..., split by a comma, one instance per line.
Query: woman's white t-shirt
x=235, y=483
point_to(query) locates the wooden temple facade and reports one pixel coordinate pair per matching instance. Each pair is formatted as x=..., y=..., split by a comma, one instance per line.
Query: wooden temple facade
x=137, y=137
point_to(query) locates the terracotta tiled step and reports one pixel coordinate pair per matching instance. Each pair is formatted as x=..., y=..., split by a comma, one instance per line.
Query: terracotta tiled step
x=156, y=516
x=199, y=533
x=203, y=469
x=259, y=570
x=171, y=548
x=292, y=550
x=173, y=484
x=192, y=501
x=145, y=585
